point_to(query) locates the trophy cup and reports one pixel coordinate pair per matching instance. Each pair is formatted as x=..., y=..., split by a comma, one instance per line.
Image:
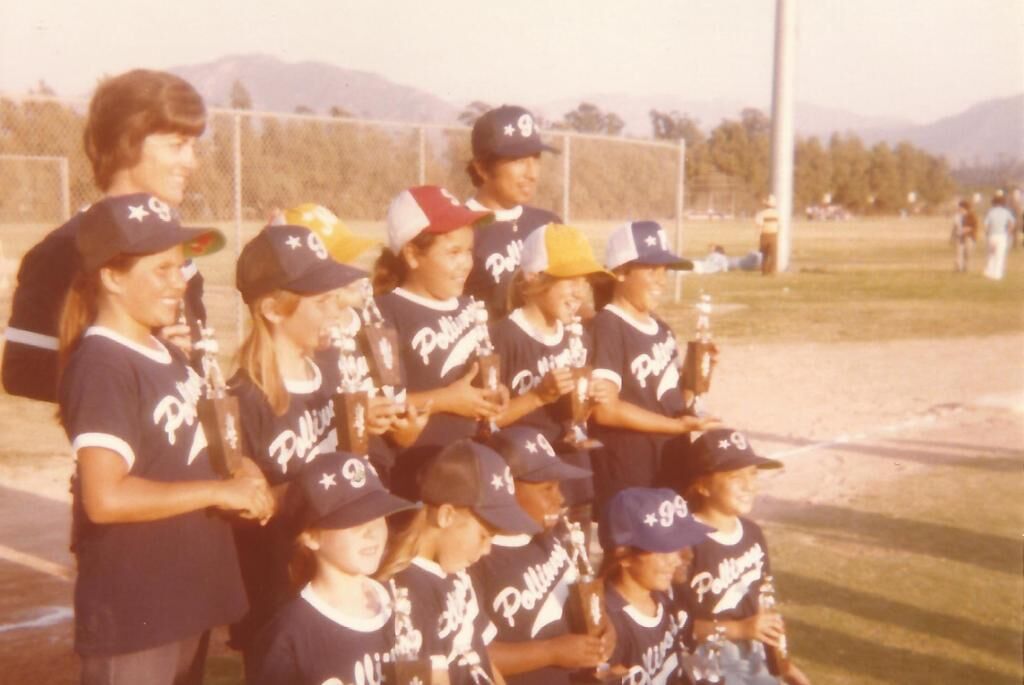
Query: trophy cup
x=490, y=366
x=351, y=402
x=585, y=603
x=696, y=376
x=580, y=404
x=410, y=668
x=777, y=658
x=218, y=412
x=379, y=342
x=707, y=660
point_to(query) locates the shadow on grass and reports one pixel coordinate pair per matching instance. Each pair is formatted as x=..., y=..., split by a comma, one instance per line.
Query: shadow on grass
x=886, y=664
x=999, y=642
x=987, y=551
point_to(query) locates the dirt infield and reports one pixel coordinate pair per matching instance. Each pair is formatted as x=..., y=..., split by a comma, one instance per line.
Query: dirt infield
x=846, y=418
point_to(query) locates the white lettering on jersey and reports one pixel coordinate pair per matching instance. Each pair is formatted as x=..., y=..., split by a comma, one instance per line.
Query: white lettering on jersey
x=173, y=411
x=304, y=444
x=498, y=263
x=449, y=335
x=367, y=672
x=526, y=380
x=646, y=365
x=459, y=615
x=735, y=576
x=537, y=582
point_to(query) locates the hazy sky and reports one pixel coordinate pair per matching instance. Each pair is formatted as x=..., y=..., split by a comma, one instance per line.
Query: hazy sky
x=916, y=59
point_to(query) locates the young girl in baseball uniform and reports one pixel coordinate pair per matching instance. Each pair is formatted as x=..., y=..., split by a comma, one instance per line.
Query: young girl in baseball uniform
x=724, y=580
x=645, y=534
x=340, y=629
x=420, y=276
x=468, y=493
x=156, y=564
x=637, y=360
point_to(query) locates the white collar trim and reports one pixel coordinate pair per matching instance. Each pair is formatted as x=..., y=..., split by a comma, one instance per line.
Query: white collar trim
x=363, y=625
x=549, y=339
x=160, y=356
x=642, y=619
x=449, y=305
x=510, y=214
x=519, y=540
x=648, y=327
x=305, y=387
x=728, y=539
x=431, y=567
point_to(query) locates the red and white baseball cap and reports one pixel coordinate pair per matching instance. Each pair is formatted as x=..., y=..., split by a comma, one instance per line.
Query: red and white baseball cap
x=430, y=209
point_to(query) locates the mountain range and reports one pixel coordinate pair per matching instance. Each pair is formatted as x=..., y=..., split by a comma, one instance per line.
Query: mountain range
x=989, y=131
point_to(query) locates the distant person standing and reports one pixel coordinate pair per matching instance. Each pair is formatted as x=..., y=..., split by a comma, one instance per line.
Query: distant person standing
x=999, y=224
x=965, y=233
x=767, y=221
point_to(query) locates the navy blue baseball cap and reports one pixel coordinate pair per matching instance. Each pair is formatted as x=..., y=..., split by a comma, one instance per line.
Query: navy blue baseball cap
x=650, y=519
x=468, y=474
x=293, y=258
x=137, y=224
x=722, y=449
x=531, y=457
x=507, y=132
x=642, y=242
x=343, y=490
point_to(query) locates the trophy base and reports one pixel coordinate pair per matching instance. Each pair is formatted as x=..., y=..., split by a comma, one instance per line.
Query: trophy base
x=585, y=607
x=420, y=672
x=696, y=376
x=219, y=418
x=576, y=440
x=351, y=412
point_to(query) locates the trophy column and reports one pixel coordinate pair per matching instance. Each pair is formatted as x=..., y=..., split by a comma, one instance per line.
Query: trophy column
x=218, y=411
x=409, y=667
x=580, y=403
x=490, y=366
x=697, y=367
x=351, y=403
x=585, y=607
x=776, y=657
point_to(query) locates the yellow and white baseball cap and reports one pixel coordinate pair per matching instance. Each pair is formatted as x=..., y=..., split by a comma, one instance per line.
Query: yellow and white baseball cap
x=342, y=244
x=560, y=251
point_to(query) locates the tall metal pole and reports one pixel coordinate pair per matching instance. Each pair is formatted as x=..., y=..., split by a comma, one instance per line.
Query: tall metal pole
x=680, y=198
x=423, y=156
x=566, y=176
x=237, y=150
x=782, y=123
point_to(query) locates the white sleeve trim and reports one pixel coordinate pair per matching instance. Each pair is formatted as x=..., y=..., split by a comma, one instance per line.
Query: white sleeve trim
x=30, y=338
x=107, y=441
x=608, y=375
x=489, y=633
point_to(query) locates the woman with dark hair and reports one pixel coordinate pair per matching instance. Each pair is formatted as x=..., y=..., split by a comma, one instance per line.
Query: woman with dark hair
x=140, y=137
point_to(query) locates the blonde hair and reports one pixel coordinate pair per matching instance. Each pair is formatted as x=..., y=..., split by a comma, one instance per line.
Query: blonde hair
x=257, y=355
x=404, y=545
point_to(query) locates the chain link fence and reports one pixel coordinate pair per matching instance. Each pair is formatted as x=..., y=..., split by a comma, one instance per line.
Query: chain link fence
x=253, y=163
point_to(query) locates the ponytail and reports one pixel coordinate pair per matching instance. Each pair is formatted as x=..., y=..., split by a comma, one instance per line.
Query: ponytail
x=390, y=270
x=257, y=356
x=403, y=546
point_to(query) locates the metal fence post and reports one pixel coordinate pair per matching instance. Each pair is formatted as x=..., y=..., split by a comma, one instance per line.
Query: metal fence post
x=65, y=188
x=238, y=216
x=423, y=156
x=680, y=197
x=566, y=177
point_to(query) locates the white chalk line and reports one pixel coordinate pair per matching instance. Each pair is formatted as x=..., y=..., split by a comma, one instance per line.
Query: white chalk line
x=50, y=616
x=35, y=563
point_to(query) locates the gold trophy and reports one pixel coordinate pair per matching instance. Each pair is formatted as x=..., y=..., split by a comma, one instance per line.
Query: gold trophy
x=379, y=343
x=696, y=376
x=410, y=667
x=218, y=411
x=706, y=666
x=584, y=605
x=777, y=658
x=580, y=402
x=351, y=402
x=490, y=366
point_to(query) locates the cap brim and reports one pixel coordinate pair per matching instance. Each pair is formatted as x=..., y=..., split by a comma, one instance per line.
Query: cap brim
x=329, y=276
x=556, y=469
x=581, y=268
x=685, y=533
x=371, y=506
x=205, y=241
x=744, y=461
x=457, y=216
x=348, y=249
x=508, y=519
x=666, y=259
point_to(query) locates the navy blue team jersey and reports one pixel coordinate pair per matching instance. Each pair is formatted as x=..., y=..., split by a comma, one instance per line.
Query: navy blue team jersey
x=141, y=585
x=311, y=643
x=642, y=359
x=649, y=646
x=446, y=612
x=726, y=574
x=523, y=584
x=438, y=346
x=44, y=278
x=497, y=252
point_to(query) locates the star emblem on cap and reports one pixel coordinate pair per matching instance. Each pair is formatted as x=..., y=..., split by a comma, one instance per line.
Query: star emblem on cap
x=510, y=129
x=651, y=241
x=327, y=481
x=293, y=242
x=531, y=447
x=650, y=520
x=137, y=213
x=723, y=444
x=497, y=482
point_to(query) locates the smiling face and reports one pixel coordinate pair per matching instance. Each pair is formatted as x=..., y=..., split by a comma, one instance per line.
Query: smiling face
x=305, y=324
x=150, y=291
x=440, y=270
x=166, y=161
x=642, y=286
x=562, y=299
x=355, y=551
x=732, y=492
x=653, y=571
x=510, y=182
x=542, y=501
